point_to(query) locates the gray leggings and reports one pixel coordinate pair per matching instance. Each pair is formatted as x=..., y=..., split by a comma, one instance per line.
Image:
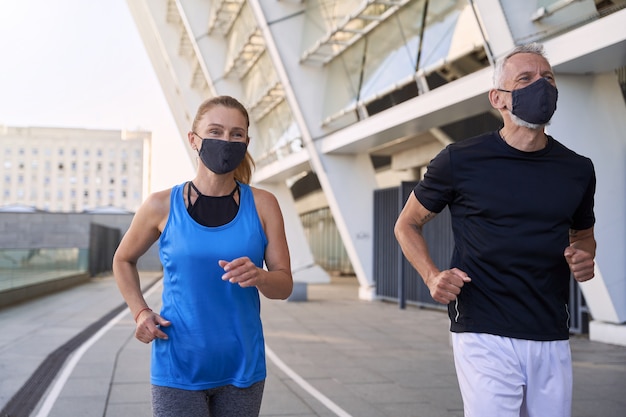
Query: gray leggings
x=226, y=401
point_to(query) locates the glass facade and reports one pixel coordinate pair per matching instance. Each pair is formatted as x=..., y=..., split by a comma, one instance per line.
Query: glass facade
x=325, y=242
x=277, y=135
x=366, y=63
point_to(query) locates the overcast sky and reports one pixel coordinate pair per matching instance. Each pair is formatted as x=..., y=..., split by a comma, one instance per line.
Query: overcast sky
x=81, y=63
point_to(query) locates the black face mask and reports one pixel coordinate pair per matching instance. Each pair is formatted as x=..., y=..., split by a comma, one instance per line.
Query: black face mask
x=535, y=103
x=222, y=156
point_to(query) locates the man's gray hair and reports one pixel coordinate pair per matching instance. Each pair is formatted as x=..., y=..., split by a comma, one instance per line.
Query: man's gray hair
x=530, y=48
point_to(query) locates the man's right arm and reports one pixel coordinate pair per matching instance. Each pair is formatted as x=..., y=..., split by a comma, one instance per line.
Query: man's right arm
x=444, y=285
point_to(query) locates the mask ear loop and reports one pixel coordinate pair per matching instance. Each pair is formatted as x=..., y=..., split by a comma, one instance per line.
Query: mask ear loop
x=505, y=91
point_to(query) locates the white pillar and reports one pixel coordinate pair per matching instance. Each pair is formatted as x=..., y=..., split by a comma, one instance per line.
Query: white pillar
x=303, y=266
x=591, y=120
x=495, y=26
x=349, y=182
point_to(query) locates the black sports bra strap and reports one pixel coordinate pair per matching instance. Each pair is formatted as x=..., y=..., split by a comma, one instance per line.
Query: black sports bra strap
x=232, y=193
x=192, y=185
x=189, y=194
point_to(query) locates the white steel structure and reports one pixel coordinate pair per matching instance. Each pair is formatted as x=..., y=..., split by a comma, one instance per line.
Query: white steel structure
x=335, y=85
x=73, y=170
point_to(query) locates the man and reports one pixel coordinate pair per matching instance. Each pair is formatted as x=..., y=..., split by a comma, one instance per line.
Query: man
x=522, y=217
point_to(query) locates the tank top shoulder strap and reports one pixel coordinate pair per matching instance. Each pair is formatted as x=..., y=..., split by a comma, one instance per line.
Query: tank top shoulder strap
x=176, y=198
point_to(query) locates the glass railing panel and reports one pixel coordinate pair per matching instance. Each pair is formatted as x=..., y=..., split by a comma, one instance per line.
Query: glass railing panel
x=24, y=267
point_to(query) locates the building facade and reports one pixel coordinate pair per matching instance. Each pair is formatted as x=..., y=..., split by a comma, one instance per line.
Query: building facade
x=73, y=170
x=347, y=97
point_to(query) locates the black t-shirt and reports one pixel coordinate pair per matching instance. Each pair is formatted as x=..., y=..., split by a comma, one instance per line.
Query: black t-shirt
x=511, y=214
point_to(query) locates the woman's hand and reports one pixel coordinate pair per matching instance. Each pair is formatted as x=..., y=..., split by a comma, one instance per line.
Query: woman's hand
x=241, y=271
x=149, y=326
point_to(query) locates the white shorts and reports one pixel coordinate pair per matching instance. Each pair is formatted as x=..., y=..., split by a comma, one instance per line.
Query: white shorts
x=505, y=377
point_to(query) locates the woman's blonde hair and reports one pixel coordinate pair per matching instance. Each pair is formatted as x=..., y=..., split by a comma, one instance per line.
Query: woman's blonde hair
x=243, y=173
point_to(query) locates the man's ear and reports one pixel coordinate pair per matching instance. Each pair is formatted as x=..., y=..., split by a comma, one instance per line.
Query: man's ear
x=496, y=99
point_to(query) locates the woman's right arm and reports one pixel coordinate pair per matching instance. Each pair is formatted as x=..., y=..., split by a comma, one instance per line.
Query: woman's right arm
x=144, y=230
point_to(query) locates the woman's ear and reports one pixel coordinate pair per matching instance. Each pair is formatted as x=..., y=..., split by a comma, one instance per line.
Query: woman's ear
x=191, y=138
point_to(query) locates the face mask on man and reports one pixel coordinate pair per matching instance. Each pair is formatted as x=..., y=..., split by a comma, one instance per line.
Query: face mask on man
x=535, y=103
x=222, y=156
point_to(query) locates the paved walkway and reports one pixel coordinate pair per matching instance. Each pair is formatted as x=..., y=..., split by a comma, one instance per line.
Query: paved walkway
x=332, y=355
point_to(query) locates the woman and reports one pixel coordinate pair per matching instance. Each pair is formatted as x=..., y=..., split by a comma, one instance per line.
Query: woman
x=215, y=233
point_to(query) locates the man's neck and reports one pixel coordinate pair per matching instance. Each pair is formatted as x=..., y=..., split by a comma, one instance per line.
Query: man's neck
x=523, y=138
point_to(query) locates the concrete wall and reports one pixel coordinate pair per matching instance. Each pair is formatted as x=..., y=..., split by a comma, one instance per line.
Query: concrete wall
x=63, y=230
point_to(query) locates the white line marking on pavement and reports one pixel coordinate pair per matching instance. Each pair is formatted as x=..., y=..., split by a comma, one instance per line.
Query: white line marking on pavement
x=67, y=370
x=305, y=385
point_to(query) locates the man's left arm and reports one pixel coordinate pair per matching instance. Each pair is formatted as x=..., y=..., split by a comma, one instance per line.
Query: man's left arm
x=580, y=254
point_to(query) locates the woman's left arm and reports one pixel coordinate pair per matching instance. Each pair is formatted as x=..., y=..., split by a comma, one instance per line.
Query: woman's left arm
x=276, y=282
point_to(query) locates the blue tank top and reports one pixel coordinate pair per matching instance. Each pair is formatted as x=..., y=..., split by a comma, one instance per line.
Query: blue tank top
x=216, y=337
